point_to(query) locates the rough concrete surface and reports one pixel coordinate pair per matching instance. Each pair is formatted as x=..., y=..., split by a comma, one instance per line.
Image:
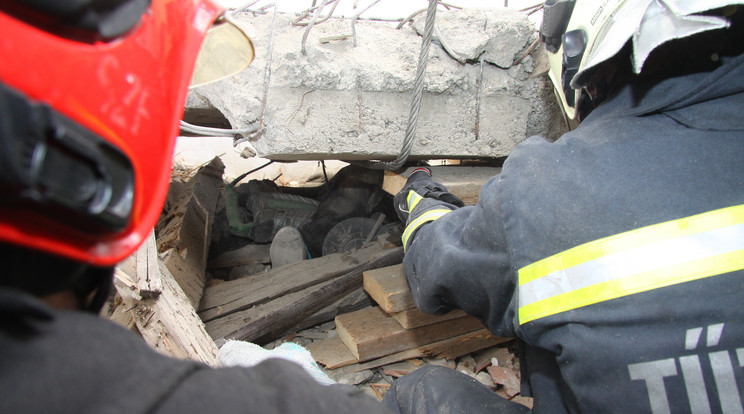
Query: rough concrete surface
x=350, y=103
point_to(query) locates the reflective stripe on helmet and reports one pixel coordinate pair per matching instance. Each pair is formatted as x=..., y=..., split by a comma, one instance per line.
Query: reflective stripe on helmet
x=640, y=260
x=428, y=216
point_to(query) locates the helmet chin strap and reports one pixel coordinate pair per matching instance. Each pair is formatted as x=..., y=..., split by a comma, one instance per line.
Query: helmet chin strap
x=94, y=288
x=42, y=274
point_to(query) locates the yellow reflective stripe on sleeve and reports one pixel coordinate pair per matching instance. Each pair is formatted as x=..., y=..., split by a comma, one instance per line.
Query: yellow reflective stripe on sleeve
x=652, y=257
x=428, y=216
x=412, y=200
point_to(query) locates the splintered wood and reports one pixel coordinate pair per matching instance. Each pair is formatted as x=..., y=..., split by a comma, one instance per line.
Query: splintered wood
x=160, y=309
x=159, y=294
x=184, y=231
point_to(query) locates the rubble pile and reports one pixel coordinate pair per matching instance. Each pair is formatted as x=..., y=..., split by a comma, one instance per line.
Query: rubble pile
x=348, y=306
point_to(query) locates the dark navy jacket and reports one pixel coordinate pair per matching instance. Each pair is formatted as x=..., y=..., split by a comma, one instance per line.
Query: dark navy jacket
x=72, y=362
x=671, y=336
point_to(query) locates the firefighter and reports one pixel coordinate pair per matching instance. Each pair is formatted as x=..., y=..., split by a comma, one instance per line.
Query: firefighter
x=616, y=253
x=91, y=93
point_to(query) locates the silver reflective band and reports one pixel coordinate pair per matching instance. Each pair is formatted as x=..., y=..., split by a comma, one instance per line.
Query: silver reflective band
x=413, y=199
x=426, y=217
x=649, y=258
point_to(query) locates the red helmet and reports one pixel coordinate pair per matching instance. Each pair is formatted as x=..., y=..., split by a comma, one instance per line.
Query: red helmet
x=90, y=102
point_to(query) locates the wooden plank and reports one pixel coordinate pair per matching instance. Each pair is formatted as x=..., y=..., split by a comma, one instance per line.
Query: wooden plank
x=249, y=254
x=464, y=182
x=186, y=228
x=240, y=294
x=333, y=353
x=389, y=288
x=371, y=334
x=267, y=321
x=167, y=322
x=414, y=318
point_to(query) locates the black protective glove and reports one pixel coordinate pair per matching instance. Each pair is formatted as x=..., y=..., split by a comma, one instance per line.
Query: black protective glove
x=421, y=183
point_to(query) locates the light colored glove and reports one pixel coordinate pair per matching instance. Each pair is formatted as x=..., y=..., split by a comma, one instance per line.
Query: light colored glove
x=247, y=354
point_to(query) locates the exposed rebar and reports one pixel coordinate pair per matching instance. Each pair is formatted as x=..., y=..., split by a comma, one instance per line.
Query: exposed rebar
x=297, y=22
x=528, y=52
x=356, y=17
x=310, y=25
x=244, y=7
x=241, y=176
x=267, y=78
x=417, y=12
x=533, y=8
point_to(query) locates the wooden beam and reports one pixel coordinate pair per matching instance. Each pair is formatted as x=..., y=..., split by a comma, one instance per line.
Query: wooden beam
x=240, y=294
x=464, y=182
x=241, y=271
x=268, y=320
x=249, y=254
x=371, y=334
x=354, y=301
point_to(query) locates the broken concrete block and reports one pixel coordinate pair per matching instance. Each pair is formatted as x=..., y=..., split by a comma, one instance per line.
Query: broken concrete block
x=342, y=102
x=501, y=33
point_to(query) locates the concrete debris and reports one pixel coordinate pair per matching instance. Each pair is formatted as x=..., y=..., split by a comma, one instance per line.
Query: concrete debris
x=485, y=379
x=292, y=304
x=466, y=364
x=356, y=378
x=503, y=34
x=353, y=103
x=505, y=377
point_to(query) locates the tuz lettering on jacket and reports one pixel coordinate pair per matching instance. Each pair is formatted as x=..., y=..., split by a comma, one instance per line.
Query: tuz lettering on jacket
x=690, y=367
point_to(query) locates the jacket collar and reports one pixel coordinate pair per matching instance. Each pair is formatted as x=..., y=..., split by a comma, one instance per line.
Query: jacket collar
x=684, y=95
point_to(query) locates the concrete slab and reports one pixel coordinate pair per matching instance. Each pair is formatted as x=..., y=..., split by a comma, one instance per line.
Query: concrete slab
x=353, y=103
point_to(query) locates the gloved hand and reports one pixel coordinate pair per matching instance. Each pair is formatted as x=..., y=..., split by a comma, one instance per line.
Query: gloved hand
x=421, y=183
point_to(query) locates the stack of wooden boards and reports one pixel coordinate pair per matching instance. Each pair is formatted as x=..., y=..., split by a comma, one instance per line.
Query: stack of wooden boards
x=396, y=331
